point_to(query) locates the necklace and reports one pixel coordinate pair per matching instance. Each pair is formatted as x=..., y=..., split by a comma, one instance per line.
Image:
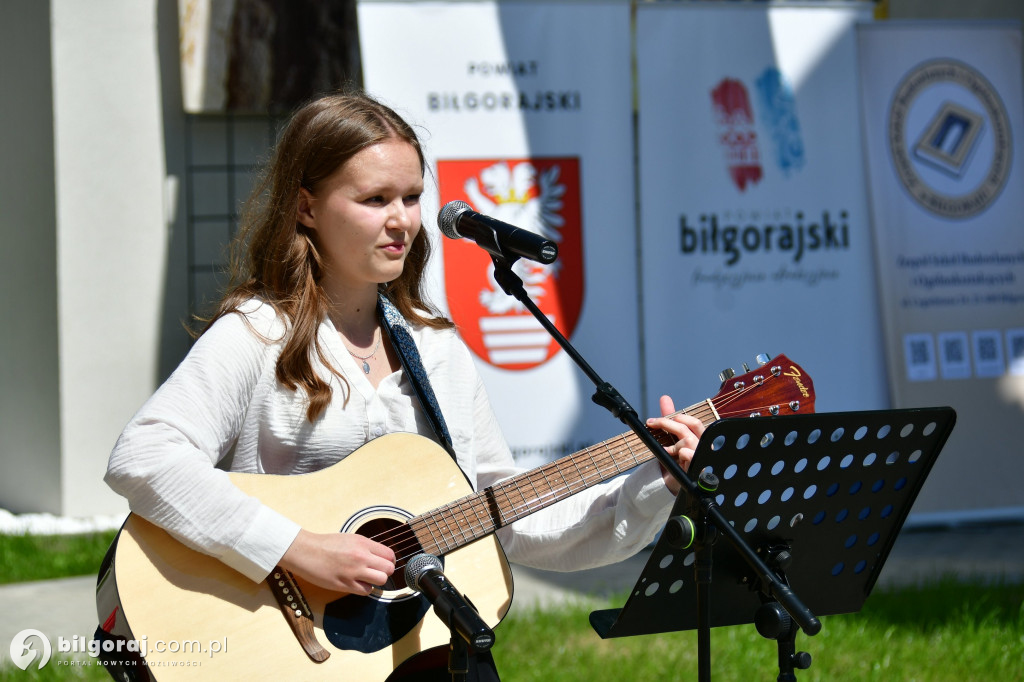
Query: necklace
x=364, y=358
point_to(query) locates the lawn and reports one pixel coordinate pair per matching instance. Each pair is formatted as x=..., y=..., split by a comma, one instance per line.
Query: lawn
x=939, y=632
x=42, y=557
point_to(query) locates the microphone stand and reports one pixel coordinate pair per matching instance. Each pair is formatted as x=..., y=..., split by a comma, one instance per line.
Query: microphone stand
x=708, y=519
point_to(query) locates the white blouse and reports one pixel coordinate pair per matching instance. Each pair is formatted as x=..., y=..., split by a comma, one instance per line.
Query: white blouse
x=223, y=408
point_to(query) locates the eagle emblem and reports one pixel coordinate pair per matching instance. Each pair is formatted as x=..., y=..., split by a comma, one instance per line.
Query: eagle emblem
x=540, y=195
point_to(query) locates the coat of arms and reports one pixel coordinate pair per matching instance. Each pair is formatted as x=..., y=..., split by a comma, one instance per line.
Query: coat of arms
x=538, y=194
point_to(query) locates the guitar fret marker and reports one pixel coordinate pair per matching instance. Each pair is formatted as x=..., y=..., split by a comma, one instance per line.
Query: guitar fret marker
x=445, y=519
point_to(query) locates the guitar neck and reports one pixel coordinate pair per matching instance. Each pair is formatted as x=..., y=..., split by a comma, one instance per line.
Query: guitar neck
x=475, y=516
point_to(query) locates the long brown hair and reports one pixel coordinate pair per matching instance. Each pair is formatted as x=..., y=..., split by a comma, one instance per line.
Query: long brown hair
x=274, y=257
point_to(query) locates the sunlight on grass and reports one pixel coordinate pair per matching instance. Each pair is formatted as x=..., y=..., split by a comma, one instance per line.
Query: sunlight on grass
x=54, y=671
x=936, y=633
x=42, y=557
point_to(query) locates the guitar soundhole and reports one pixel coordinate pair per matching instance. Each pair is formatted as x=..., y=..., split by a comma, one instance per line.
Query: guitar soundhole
x=370, y=624
x=400, y=538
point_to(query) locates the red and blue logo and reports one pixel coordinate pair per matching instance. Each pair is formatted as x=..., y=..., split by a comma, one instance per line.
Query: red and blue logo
x=738, y=132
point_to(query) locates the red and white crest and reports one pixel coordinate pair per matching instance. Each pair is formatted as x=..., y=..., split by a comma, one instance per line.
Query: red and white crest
x=538, y=194
x=737, y=133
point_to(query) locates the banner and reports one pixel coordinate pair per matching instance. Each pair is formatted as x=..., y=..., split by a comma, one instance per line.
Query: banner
x=525, y=114
x=943, y=113
x=754, y=221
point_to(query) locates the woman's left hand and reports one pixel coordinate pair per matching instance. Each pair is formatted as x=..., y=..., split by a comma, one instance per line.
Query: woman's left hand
x=687, y=431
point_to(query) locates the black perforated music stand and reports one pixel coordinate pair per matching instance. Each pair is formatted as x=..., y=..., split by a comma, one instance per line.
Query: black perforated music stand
x=830, y=489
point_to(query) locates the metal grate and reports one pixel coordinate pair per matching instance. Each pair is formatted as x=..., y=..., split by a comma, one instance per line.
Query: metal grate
x=223, y=156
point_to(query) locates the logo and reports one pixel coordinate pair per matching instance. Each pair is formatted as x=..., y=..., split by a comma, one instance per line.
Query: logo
x=737, y=135
x=795, y=374
x=737, y=130
x=735, y=236
x=23, y=654
x=538, y=194
x=950, y=139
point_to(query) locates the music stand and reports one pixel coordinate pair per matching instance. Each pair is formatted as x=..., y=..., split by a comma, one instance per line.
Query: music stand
x=820, y=497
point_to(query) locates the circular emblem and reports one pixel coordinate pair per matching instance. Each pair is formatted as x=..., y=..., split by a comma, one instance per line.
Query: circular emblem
x=949, y=136
x=23, y=654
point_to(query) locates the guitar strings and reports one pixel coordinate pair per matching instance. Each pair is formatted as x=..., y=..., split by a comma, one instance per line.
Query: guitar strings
x=532, y=478
x=411, y=541
x=599, y=469
x=405, y=538
x=509, y=489
x=530, y=505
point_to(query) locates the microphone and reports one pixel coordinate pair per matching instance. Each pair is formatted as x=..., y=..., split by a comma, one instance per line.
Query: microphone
x=423, y=573
x=458, y=220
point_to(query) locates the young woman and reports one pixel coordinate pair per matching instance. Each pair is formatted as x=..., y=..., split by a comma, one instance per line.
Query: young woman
x=296, y=371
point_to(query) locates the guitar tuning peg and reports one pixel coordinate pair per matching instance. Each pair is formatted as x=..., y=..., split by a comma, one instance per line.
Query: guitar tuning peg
x=746, y=368
x=726, y=374
x=762, y=358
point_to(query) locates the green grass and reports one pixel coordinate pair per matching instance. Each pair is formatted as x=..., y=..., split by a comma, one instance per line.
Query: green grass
x=935, y=633
x=42, y=557
x=67, y=669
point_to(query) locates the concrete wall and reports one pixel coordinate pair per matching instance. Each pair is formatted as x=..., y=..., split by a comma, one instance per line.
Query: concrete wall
x=88, y=206
x=29, y=364
x=114, y=211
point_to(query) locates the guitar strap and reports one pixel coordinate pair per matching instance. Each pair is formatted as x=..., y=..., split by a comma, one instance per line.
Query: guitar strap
x=397, y=329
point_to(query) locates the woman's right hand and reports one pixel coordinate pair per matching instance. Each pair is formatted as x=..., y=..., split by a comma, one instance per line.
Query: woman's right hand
x=340, y=562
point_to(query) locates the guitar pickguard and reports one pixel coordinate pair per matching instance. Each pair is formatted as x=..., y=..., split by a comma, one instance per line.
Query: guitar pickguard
x=367, y=625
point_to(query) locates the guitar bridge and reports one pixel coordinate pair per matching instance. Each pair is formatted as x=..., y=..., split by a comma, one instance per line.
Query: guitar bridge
x=297, y=612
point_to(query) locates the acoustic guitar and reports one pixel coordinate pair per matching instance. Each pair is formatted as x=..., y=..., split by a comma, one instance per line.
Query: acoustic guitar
x=200, y=618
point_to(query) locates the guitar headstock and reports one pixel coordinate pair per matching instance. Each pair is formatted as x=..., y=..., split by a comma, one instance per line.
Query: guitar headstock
x=778, y=386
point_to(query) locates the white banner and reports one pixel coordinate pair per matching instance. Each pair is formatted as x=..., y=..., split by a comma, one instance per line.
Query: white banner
x=943, y=113
x=525, y=113
x=755, y=235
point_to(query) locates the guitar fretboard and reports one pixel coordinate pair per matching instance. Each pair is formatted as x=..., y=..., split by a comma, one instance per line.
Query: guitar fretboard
x=475, y=516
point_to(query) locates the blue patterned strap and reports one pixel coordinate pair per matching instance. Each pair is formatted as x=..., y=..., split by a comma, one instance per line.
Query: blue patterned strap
x=397, y=329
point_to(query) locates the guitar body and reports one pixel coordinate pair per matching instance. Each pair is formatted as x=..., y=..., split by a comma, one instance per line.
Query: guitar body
x=172, y=594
